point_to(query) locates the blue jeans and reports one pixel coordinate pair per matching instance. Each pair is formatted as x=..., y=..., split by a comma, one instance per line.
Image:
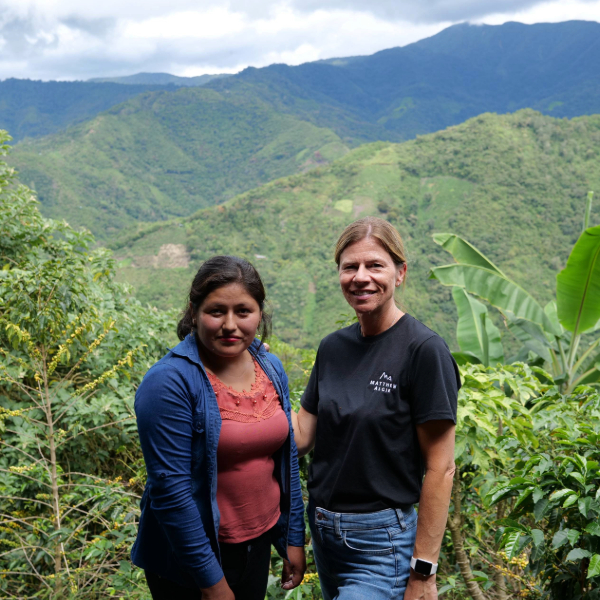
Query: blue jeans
x=363, y=556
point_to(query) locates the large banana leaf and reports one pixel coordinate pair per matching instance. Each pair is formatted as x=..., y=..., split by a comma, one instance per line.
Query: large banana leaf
x=531, y=336
x=475, y=332
x=500, y=292
x=464, y=252
x=578, y=284
x=552, y=313
x=589, y=377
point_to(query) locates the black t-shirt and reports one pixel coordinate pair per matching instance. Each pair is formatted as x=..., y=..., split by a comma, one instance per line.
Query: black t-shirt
x=369, y=394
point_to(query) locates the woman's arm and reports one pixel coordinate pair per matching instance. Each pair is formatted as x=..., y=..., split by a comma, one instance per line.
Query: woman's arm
x=436, y=439
x=164, y=416
x=305, y=430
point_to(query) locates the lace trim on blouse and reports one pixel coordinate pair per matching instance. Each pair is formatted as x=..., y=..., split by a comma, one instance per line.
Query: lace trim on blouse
x=260, y=403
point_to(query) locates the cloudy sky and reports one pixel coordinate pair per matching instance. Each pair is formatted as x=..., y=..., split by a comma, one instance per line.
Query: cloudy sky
x=80, y=39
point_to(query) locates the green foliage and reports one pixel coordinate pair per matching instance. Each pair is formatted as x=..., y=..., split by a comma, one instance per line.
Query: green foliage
x=493, y=417
x=73, y=346
x=554, y=494
x=298, y=364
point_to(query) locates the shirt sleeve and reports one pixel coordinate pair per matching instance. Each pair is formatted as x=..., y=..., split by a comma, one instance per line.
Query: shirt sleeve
x=310, y=398
x=435, y=381
x=164, y=415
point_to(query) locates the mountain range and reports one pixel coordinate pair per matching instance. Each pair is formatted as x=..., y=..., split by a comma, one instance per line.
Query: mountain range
x=168, y=152
x=439, y=81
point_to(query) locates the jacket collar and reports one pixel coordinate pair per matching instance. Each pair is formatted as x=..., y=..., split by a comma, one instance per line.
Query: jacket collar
x=188, y=348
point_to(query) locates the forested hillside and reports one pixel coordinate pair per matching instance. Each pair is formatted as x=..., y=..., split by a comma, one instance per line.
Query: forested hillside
x=37, y=108
x=514, y=185
x=167, y=154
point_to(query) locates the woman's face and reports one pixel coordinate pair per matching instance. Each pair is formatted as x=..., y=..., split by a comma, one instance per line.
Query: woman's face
x=369, y=276
x=227, y=320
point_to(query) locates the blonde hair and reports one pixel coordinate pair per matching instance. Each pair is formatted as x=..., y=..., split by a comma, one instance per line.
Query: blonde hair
x=377, y=228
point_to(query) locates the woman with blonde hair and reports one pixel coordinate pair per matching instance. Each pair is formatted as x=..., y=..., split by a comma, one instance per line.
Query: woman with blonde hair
x=380, y=412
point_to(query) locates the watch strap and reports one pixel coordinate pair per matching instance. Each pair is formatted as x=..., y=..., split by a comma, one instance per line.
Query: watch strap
x=418, y=565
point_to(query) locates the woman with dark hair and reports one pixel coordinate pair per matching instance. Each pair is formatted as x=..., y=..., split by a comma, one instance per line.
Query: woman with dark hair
x=380, y=411
x=214, y=421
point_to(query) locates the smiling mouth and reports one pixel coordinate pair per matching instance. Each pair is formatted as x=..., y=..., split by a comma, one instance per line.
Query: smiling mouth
x=363, y=293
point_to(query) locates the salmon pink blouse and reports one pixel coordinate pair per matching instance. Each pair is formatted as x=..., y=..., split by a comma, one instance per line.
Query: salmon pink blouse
x=254, y=427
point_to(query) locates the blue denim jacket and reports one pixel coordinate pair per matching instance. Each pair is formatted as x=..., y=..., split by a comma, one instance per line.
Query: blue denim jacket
x=179, y=425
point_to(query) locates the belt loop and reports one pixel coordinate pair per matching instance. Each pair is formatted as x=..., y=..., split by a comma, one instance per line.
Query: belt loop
x=336, y=524
x=400, y=516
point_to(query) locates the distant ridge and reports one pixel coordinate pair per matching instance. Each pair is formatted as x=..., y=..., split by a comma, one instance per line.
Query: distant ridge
x=394, y=94
x=160, y=79
x=463, y=71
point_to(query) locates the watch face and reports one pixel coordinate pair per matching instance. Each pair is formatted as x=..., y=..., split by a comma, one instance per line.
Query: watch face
x=423, y=567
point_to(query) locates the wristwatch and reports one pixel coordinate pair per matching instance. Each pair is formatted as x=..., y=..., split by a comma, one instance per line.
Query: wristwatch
x=423, y=567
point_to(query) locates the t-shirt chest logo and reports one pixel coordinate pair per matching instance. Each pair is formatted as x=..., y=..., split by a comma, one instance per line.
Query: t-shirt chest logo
x=383, y=384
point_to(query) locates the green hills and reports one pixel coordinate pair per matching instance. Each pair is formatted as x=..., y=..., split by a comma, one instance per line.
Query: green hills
x=514, y=185
x=168, y=152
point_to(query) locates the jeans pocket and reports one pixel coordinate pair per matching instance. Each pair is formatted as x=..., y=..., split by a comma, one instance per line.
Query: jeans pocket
x=404, y=544
x=374, y=542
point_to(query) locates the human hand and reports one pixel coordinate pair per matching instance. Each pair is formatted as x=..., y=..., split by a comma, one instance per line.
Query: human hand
x=267, y=347
x=420, y=587
x=293, y=570
x=219, y=591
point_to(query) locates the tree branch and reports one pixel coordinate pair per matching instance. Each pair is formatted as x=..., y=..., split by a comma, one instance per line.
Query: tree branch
x=455, y=526
x=92, y=429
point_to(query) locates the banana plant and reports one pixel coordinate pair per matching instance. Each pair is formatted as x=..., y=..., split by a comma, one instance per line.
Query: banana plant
x=478, y=338
x=553, y=332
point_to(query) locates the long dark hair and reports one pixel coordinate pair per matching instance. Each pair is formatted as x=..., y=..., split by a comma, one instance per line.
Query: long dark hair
x=215, y=273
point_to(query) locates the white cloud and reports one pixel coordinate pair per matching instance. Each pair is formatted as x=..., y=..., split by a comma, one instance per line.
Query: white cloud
x=214, y=23
x=549, y=12
x=70, y=39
